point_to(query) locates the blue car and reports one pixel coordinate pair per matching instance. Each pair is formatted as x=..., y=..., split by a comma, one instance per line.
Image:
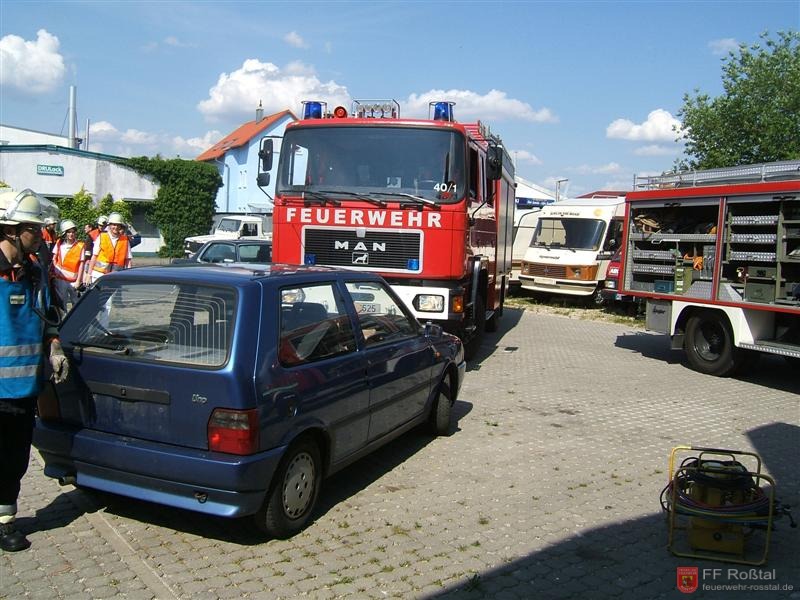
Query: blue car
x=234, y=390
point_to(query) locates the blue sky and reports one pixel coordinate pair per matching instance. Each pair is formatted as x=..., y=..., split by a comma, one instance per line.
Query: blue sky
x=585, y=91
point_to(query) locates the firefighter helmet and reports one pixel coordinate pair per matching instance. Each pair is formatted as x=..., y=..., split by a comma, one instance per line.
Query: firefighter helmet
x=49, y=221
x=102, y=220
x=66, y=225
x=116, y=219
x=23, y=207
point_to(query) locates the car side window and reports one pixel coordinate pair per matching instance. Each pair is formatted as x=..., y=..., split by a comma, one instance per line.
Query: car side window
x=255, y=253
x=314, y=325
x=381, y=317
x=218, y=253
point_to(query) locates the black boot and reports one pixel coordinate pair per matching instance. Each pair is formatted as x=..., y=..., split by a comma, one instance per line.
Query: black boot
x=12, y=540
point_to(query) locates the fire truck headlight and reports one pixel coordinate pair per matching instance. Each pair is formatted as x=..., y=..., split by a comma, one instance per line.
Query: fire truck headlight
x=310, y=259
x=458, y=304
x=611, y=284
x=429, y=303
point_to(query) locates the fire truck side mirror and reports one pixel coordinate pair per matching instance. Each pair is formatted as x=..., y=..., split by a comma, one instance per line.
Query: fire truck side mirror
x=265, y=154
x=262, y=180
x=494, y=162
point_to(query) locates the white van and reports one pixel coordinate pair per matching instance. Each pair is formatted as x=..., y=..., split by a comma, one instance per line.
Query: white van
x=524, y=226
x=572, y=245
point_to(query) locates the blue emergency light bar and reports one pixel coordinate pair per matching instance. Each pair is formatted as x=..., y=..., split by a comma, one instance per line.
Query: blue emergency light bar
x=442, y=111
x=313, y=109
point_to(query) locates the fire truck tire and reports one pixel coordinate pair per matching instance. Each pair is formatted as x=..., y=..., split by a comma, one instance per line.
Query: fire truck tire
x=709, y=344
x=441, y=411
x=479, y=320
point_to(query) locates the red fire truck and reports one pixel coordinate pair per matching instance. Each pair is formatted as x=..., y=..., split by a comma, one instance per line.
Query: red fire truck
x=716, y=256
x=428, y=204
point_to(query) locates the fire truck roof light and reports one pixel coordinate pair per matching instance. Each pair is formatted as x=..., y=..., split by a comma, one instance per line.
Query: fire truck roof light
x=376, y=109
x=442, y=111
x=312, y=109
x=340, y=112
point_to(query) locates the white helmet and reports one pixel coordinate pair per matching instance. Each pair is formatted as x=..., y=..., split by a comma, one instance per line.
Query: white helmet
x=49, y=221
x=66, y=225
x=102, y=220
x=22, y=207
x=116, y=219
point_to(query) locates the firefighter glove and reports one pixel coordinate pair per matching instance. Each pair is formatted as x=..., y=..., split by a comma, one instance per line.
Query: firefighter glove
x=58, y=362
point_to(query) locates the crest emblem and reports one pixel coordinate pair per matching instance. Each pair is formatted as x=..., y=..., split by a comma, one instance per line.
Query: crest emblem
x=687, y=579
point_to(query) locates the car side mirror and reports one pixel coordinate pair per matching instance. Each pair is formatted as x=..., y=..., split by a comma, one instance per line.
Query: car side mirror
x=433, y=331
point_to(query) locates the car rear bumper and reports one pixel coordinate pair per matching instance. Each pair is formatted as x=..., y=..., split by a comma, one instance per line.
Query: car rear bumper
x=209, y=482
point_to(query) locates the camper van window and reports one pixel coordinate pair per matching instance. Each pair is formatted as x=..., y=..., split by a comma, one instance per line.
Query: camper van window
x=578, y=234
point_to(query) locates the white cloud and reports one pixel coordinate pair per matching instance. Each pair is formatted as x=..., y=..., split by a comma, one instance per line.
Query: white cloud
x=31, y=67
x=295, y=39
x=655, y=150
x=523, y=156
x=104, y=137
x=236, y=95
x=495, y=105
x=657, y=128
x=606, y=169
x=171, y=40
x=723, y=46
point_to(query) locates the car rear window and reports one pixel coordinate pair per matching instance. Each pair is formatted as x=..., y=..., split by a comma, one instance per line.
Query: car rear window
x=188, y=324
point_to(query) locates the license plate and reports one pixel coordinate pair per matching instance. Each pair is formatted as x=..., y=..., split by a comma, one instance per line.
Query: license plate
x=367, y=307
x=545, y=280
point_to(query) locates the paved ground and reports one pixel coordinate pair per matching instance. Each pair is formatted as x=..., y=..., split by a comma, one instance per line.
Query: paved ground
x=548, y=488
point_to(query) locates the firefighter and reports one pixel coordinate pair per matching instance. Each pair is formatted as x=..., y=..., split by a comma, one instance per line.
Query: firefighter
x=68, y=259
x=26, y=334
x=49, y=236
x=112, y=250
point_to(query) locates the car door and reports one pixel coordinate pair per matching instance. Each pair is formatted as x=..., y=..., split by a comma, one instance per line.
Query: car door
x=217, y=253
x=319, y=374
x=399, y=358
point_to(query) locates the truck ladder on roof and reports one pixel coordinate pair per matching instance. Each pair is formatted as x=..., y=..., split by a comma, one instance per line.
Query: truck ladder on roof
x=789, y=169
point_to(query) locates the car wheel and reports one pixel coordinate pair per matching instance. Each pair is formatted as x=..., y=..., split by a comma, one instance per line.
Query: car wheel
x=442, y=410
x=709, y=344
x=293, y=491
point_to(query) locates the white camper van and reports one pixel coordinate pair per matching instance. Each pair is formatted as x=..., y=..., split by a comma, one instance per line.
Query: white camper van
x=573, y=242
x=524, y=226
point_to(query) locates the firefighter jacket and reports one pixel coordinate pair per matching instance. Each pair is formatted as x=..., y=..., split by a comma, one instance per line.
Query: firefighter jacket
x=22, y=331
x=67, y=267
x=110, y=256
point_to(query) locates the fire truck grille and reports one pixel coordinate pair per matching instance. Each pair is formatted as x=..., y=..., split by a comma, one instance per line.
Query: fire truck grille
x=377, y=250
x=537, y=270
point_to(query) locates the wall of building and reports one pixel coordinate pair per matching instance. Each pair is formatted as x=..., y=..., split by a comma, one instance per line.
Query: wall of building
x=19, y=136
x=59, y=172
x=239, y=168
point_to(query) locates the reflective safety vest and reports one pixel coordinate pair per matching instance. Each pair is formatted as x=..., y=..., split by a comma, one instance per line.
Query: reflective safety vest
x=67, y=268
x=21, y=333
x=111, y=255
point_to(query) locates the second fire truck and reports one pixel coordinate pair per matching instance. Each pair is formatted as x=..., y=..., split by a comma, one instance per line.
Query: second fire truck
x=428, y=204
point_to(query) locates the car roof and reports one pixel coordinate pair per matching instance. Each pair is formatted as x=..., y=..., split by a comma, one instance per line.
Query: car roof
x=240, y=273
x=239, y=241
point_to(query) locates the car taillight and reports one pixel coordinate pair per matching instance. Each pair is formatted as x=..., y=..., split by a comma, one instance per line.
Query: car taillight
x=613, y=271
x=233, y=431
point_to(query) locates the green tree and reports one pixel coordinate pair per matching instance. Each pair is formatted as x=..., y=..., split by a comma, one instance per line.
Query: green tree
x=184, y=205
x=757, y=119
x=79, y=208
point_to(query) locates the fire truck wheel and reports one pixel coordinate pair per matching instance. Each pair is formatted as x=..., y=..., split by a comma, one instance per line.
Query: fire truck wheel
x=709, y=344
x=441, y=411
x=479, y=320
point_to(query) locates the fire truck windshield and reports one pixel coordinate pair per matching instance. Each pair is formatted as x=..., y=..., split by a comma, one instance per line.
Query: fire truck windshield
x=419, y=165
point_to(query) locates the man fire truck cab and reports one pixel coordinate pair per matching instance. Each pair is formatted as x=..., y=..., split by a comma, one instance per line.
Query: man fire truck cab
x=426, y=203
x=716, y=256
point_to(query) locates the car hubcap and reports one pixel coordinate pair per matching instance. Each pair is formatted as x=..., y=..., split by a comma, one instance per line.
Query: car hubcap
x=298, y=485
x=711, y=341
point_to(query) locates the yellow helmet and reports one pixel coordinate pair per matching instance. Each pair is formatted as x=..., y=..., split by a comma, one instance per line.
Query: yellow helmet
x=23, y=207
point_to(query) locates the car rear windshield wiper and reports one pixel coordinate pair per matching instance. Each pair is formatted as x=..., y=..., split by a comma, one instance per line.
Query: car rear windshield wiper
x=412, y=199
x=366, y=197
